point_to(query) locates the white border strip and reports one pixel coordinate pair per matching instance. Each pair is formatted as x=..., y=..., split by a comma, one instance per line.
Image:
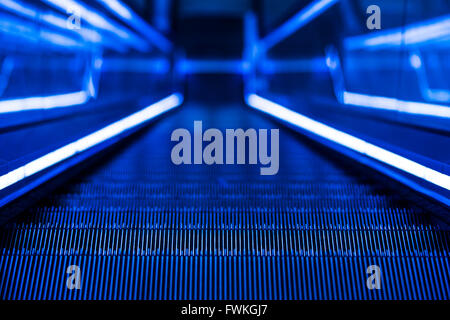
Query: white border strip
x=437, y=178
x=90, y=140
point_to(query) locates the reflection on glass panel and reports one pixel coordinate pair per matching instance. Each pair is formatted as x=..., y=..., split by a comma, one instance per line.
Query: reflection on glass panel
x=68, y=53
x=391, y=55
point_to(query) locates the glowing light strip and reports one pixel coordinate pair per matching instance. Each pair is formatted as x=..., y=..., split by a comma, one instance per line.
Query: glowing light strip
x=22, y=30
x=35, y=103
x=414, y=34
x=58, y=101
x=129, y=16
x=97, y=20
x=349, y=141
x=59, y=21
x=378, y=102
x=392, y=104
x=18, y=8
x=90, y=140
x=118, y=8
x=49, y=18
x=302, y=18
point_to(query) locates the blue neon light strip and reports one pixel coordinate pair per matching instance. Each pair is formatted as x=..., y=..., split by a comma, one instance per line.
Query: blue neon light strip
x=49, y=18
x=89, y=35
x=128, y=16
x=415, y=34
x=353, y=143
x=99, y=21
x=302, y=18
x=30, y=32
x=90, y=140
x=49, y=102
x=60, y=22
x=19, y=8
x=393, y=104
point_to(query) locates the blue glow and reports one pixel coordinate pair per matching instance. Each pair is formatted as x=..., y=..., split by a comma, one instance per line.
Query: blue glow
x=302, y=18
x=61, y=100
x=99, y=21
x=90, y=16
x=119, y=8
x=92, y=76
x=161, y=15
x=5, y=73
x=157, y=66
x=18, y=8
x=429, y=94
x=90, y=140
x=436, y=95
x=250, y=37
x=351, y=142
x=213, y=66
x=378, y=102
x=21, y=30
x=412, y=35
x=59, y=21
x=393, y=104
x=135, y=21
x=49, y=102
x=59, y=39
x=317, y=64
x=250, y=54
x=331, y=63
x=337, y=76
x=415, y=61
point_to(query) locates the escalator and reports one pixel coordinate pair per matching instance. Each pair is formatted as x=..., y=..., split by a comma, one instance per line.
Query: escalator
x=139, y=227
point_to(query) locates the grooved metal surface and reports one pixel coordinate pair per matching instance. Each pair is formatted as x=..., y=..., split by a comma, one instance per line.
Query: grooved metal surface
x=140, y=227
